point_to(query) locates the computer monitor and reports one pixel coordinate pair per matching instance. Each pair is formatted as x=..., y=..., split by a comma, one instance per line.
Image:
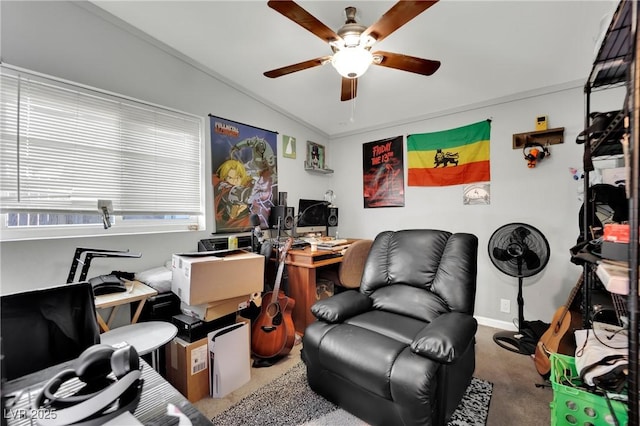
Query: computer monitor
x=312, y=216
x=45, y=327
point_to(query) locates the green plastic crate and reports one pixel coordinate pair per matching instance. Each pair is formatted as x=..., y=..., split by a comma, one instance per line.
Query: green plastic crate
x=576, y=407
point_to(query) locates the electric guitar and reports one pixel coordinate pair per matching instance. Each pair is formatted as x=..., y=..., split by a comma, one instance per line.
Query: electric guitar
x=559, y=336
x=273, y=332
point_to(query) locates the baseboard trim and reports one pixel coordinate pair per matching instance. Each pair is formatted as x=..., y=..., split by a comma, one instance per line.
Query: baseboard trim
x=490, y=322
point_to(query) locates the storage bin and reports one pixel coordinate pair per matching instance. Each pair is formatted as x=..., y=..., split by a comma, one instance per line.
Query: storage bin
x=574, y=406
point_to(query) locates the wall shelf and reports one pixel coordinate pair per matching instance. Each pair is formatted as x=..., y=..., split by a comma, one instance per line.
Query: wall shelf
x=311, y=169
x=543, y=137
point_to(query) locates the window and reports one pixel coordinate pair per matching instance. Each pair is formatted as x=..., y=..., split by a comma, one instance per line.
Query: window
x=64, y=147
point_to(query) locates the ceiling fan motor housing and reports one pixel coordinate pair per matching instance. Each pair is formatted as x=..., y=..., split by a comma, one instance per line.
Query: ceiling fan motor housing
x=351, y=31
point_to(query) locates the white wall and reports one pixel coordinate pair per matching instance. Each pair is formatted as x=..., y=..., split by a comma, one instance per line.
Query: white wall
x=72, y=42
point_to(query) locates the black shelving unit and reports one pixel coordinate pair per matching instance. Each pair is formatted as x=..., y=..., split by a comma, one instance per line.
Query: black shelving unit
x=616, y=65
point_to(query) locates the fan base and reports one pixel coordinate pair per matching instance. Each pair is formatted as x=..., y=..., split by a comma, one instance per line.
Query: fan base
x=512, y=341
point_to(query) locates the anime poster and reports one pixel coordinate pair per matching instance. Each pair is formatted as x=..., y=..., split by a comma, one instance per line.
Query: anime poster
x=383, y=173
x=244, y=174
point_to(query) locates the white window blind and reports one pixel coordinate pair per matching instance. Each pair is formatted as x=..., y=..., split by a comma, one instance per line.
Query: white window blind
x=64, y=147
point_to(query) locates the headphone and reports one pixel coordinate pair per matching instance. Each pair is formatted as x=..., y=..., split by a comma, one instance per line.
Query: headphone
x=534, y=152
x=87, y=406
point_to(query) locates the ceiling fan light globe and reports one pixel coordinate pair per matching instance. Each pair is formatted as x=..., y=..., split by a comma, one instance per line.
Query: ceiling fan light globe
x=352, y=62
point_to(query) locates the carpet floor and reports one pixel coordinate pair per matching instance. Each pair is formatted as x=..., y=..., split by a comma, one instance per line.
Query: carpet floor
x=288, y=400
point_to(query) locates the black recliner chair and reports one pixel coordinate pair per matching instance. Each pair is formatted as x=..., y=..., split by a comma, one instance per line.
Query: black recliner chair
x=400, y=350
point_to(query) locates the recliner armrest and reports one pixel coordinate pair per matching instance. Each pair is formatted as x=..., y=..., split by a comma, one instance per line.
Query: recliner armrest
x=446, y=338
x=341, y=306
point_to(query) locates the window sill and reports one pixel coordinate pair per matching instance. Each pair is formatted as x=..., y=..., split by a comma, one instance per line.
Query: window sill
x=9, y=235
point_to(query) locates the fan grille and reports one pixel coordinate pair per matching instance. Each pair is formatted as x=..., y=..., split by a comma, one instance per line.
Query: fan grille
x=519, y=250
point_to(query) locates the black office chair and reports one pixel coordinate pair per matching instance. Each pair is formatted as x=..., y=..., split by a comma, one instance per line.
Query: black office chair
x=349, y=272
x=45, y=327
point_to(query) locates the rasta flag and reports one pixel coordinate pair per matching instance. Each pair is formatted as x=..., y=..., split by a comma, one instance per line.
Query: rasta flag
x=450, y=157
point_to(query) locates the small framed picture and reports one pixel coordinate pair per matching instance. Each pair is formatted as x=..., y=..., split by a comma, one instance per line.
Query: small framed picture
x=315, y=155
x=288, y=146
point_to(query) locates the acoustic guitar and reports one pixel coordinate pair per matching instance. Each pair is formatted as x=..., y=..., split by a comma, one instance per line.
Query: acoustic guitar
x=273, y=332
x=559, y=336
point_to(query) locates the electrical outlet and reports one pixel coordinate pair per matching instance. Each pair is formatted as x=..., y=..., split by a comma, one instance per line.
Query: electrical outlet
x=505, y=306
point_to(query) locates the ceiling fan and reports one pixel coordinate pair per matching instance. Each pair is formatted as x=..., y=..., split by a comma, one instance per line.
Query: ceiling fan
x=351, y=44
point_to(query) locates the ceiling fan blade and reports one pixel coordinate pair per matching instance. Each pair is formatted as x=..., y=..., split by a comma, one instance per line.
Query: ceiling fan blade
x=407, y=63
x=279, y=72
x=349, y=88
x=303, y=18
x=399, y=14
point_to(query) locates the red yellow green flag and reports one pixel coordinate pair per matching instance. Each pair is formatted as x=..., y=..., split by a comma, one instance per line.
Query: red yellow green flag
x=450, y=157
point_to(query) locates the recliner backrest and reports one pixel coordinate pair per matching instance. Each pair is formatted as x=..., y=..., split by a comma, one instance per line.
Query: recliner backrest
x=434, y=261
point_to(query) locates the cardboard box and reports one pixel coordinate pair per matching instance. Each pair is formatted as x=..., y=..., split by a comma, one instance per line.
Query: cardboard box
x=215, y=310
x=198, y=279
x=229, y=358
x=187, y=367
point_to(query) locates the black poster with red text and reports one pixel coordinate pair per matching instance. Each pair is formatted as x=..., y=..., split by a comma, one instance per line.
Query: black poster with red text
x=383, y=173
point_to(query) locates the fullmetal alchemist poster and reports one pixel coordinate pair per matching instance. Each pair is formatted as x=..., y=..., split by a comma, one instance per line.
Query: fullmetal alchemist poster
x=244, y=174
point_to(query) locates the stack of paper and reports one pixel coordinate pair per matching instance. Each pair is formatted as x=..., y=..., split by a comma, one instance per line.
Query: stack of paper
x=331, y=243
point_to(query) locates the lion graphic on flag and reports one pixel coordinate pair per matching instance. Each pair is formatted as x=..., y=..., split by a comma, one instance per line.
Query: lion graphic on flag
x=445, y=158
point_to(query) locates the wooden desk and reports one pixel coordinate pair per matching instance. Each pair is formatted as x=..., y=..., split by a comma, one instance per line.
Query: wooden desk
x=302, y=265
x=136, y=292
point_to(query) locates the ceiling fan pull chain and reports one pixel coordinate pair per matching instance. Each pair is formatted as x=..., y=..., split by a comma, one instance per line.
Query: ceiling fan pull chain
x=353, y=102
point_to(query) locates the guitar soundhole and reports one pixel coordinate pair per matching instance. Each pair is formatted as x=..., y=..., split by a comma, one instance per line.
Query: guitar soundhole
x=273, y=310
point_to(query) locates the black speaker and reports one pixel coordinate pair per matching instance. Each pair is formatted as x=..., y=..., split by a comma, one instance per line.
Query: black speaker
x=285, y=214
x=332, y=216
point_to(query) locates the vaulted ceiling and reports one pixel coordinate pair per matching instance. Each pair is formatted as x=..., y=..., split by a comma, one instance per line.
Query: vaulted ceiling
x=488, y=50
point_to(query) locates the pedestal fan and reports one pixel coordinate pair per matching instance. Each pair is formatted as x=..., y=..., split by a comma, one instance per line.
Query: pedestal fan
x=518, y=250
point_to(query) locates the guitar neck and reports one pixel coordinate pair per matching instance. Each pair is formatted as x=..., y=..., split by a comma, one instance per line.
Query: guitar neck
x=574, y=292
x=282, y=258
x=276, y=286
